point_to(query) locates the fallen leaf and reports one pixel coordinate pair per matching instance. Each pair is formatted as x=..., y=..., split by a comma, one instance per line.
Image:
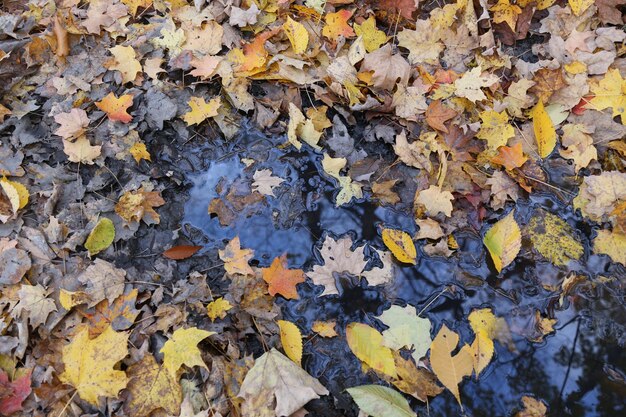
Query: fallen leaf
x=400, y=244
x=278, y=377
x=450, y=370
x=182, y=349
x=139, y=152
x=372, y=37
x=297, y=35
x=600, y=196
x=201, y=110
x=610, y=92
x=367, y=344
x=291, y=339
x=236, y=259
x=506, y=12
x=612, y=244
x=417, y=382
x=103, y=281
x=100, y=237
x=139, y=205
x=495, y=128
x=119, y=315
x=125, y=62
x=34, y=304
x=406, y=330
x=116, y=108
x=578, y=144
x=325, y=328
x=152, y=388
x=553, y=238
x=14, y=262
x=73, y=123
x=503, y=240
x=470, y=84
x=281, y=280
x=81, y=151
x=579, y=6
x=89, y=364
x=483, y=323
x=218, y=308
x=242, y=18
x=383, y=192
x=389, y=69
x=547, y=82
x=379, y=401
x=337, y=25
x=435, y=201
x=265, y=183
x=14, y=392
x=437, y=115
x=181, y=252
x=545, y=134
x=532, y=408
x=510, y=157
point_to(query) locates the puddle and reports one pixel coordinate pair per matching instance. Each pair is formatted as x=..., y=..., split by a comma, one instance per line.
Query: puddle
x=582, y=383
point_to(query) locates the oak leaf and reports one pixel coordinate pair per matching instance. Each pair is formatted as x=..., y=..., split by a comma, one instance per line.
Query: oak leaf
x=89, y=364
x=182, y=349
x=281, y=280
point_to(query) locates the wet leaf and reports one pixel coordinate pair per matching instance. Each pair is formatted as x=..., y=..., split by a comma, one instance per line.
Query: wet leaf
x=134, y=206
x=201, y=110
x=450, y=370
x=367, y=344
x=600, y=195
x=281, y=280
x=100, y=237
x=89, y=364
x=483, y=323
x=545, y=134
x=218, y=308
x=182, y=349
x=503, y=240
x=291, y=339
x=276, y=376
x=417, y=382
x=265, y=183
x=612, y=244
x=14, y=392
x=379, y=401
x=532, y=408
x=236, y=259
x=400, y=244
x=325, y=328
x=406, y=330
x=181, y=252
x=554, y=239
x=34, y=304
x=152, y=388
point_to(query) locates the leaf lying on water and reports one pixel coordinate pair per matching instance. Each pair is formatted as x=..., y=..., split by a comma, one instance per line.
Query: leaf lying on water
x=400, y=244
x=503, y=240
x=367, y=344
x=379, y=401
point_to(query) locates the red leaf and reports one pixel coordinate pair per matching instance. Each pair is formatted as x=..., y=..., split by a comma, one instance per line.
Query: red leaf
x=13, y=393
x=181, y=252
x=580, y=107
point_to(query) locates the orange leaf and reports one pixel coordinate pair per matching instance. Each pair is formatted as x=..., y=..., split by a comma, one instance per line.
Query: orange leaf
x=116, y=108
x=337, y=25
x=181, y=252
x=437, y=114
x=282, y=280
x=510, y=156
x=120, y=315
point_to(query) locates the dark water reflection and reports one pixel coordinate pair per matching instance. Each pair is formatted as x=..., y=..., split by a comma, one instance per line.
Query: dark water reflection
x=576, y=370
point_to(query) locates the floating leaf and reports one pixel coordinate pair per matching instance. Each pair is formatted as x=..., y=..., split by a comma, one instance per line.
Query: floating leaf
x=379, y=401
x=181, y=252
x=281, y=280
x=324, y=328
x=450, y=370
x=553, y=238
x=367, y=344
x=291, y=339
x=400, y=244
x=503, y=240
x=236, y=259
x=406, y=329
x=100, y=237
x=612, y=244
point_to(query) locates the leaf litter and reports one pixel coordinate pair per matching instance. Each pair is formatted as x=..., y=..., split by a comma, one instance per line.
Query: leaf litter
x=393, y=193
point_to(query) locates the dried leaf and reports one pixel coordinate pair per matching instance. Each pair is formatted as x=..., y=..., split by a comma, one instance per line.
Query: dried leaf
x=182, y=349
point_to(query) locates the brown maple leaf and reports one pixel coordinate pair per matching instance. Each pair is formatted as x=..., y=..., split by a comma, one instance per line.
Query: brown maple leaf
x=404, y=8
x=437, y=114
x=547, y=82
x=281, y=280
x=461, y=144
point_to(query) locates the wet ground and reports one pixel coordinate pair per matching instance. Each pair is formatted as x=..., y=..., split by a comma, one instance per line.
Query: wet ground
x=578, y=370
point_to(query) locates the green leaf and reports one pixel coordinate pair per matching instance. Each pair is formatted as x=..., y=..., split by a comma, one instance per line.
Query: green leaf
x=100, y=237
x=378, y=401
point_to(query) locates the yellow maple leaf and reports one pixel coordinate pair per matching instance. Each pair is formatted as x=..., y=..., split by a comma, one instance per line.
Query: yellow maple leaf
x=450, y=370
x=610, y=92
x=291, y=339
x=506, y=12
x=125, y=62
x=89, y=364
x=150, y=388
x=218, y=308
x=495, y=128
x=139, y=152
x=182, y=349
x=201, y=110
x=545, y=133
x=297, y=35
x=236, y=259
x=372, y=37
x=325, y=328
x=400, y=244
x=367, y=344
x=133, y=5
